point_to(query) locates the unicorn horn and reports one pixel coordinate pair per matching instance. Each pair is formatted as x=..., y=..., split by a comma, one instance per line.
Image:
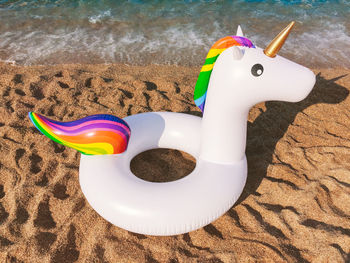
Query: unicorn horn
x=276, y=44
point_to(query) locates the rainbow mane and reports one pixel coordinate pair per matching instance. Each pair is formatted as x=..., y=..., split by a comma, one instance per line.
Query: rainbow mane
x=200, y=91
x=92, y=135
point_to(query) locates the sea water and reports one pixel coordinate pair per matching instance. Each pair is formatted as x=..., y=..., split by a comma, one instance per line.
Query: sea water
x=168, y=32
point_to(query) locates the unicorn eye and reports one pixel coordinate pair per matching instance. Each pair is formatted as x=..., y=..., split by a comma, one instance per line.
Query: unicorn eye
x=257, y=70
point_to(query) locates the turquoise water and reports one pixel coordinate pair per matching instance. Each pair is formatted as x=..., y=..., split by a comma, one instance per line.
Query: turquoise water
x=168, y=32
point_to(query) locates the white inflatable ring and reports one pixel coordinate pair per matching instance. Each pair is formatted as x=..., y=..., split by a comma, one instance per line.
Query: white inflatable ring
x=160, y=208
x=243, y=75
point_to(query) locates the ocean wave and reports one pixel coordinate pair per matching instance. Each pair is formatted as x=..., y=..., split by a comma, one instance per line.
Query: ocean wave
x=99, y=17
x=54, y=32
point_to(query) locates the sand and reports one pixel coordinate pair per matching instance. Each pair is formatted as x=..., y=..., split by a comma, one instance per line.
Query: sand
x=295, y=206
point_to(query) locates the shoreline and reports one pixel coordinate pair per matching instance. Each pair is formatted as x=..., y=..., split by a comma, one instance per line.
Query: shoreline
x=14, y=64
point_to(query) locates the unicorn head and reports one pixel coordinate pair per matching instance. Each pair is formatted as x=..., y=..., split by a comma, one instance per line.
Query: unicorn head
x=235, y=67
x=236, y=76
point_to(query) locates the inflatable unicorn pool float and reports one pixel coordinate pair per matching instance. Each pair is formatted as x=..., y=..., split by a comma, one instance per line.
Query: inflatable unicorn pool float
x=236, y=75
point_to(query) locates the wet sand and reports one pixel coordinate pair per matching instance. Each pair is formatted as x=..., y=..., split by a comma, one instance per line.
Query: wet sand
x=295, y=206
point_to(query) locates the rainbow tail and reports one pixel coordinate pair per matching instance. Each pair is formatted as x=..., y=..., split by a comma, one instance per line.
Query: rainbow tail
x=92, y=135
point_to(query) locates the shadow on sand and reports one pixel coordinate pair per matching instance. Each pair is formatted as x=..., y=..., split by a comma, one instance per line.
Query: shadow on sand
x=270, y=126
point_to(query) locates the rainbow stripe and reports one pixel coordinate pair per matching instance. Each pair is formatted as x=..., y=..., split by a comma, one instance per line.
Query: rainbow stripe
x=92, y=135
x=200, y=91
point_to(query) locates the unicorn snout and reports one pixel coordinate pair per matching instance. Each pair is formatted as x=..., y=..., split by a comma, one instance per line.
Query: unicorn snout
x=302, y=86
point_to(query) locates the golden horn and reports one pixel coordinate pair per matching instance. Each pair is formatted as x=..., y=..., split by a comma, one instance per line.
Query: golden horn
x=276, y=44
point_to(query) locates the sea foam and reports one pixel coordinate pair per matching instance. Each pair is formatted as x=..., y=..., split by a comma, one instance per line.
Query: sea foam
x=167, y=32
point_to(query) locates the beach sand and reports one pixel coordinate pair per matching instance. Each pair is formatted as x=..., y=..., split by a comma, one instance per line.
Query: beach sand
x=295, y=206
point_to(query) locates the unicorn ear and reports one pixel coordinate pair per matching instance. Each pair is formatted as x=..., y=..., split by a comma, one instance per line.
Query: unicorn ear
x=237, y=53
x=239, y=31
